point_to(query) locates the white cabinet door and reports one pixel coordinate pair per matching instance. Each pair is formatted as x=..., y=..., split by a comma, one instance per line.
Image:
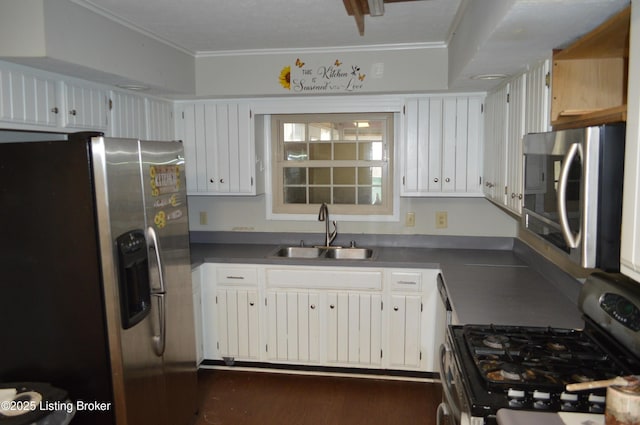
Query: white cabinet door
x=354, y=328
x=86, y=106
x=28, y=98
x=442, y=147
x=159, y=119
x=515, y=133
x=238, y=324
x=496, y=116
x=128, y=116
x=404, y=331
x=293, y=322
x=413, y=324
x=219, y=142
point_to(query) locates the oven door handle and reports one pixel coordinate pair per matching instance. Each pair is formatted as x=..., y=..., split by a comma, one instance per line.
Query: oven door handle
x=446, y=385
x=571, y=240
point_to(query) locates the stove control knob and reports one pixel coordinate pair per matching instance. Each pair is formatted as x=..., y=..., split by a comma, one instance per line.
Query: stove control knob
x=569, y=402
x=596, y=403
x=539, y=395
x=517, y=398
x=517, y=394
x=541, y=400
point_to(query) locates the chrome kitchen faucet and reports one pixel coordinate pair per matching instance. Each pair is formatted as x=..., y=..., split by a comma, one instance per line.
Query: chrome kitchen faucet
x=323, y=215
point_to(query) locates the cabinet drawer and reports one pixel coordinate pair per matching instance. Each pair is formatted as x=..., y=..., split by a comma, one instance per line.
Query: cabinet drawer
x=236, y=275
x=406, y=281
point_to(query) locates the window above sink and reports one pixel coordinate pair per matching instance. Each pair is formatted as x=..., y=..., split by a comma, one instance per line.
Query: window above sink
x=345, y=160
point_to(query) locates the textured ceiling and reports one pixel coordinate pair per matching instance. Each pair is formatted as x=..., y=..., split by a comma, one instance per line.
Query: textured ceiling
x=510, y=33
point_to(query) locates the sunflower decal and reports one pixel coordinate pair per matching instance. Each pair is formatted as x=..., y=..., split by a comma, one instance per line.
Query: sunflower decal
x=285, y=77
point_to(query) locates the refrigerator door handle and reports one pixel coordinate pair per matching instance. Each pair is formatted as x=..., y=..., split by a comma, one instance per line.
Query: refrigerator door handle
x=159, y=341
x=152, y=241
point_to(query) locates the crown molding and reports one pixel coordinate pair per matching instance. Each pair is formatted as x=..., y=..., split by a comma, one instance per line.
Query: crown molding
x=334, y=49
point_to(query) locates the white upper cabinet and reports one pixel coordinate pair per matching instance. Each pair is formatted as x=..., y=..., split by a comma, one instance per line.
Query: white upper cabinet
x=86, y=106
x=442, y=146
x=159, y=119
x=128, y=117
x=28, y=98
x=518, y=107
x=140, y=117
x=219, y=145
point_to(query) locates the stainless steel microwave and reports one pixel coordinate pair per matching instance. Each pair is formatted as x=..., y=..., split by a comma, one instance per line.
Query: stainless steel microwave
x=573, y=192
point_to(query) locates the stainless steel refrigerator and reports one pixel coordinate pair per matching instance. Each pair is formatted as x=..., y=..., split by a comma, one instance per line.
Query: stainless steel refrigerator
x=95, y=276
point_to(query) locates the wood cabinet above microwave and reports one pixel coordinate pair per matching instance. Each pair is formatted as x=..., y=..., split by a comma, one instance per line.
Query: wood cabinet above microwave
x=589, y=77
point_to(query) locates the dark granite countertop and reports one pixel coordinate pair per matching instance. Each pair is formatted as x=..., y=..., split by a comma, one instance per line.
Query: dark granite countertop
x=491, y=282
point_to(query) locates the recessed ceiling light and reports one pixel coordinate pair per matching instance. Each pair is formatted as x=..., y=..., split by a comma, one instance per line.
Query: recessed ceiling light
x=489, y=77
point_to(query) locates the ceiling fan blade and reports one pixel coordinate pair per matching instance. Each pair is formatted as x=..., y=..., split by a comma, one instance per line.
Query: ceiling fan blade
x=357, y=9
x=360, y=8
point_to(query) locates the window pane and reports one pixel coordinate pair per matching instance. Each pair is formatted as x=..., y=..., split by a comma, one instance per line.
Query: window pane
x=321, y=131
x=295, y=151
x=295, y=175
x=345, y=151
x=320, y=151
x=295, y=195
x=294, y=132
x=370, y=175
x=369, y=195
x=318, y=195
x=344, y=195
x=320, y=175
x=344, y=175
x=370, y=151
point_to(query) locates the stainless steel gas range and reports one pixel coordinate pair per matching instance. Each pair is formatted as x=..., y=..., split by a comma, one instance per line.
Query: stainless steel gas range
x=485, y=368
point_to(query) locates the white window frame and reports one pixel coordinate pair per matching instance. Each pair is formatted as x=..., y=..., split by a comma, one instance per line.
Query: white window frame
x=337, y=104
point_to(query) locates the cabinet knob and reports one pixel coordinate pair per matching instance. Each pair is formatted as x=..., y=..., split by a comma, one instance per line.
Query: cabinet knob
x=313, y=306
x=332, y=306
x=520, y=196
x=55, y=110
x=436, y=180
x=395, y=308
x=73, y=112
x=251, y=303
x=221, y=180
x=513, y=195
x=447, y=180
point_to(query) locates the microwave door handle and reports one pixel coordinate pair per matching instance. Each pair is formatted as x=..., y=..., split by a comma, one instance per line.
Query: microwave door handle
x=152, y=241
x=571, y=240
x=160, y=340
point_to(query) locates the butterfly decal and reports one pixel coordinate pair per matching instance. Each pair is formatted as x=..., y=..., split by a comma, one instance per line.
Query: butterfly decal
x=299, y=63
x=361, y=76
x=337, y=62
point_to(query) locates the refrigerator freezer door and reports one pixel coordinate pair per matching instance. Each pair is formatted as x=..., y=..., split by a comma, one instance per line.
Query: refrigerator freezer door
x=137, y=371
x=166, y=209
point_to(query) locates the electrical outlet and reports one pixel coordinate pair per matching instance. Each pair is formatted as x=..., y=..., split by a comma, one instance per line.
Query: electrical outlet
x=441, y=220
x=410, y=219
x=203, y=218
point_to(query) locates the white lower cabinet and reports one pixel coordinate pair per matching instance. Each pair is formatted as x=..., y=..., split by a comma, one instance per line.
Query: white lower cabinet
x=404, y=334
x=354, y=328
x=355, y=317
x=238, y=323
x=293, y=326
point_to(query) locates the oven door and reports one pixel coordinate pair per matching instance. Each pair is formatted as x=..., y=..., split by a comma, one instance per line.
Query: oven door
x=454, y=409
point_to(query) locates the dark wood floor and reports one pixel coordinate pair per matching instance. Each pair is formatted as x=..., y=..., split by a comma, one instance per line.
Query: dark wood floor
x=252, y=398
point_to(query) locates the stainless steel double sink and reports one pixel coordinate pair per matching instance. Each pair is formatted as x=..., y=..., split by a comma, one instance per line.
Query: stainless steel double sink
x=338, y=253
